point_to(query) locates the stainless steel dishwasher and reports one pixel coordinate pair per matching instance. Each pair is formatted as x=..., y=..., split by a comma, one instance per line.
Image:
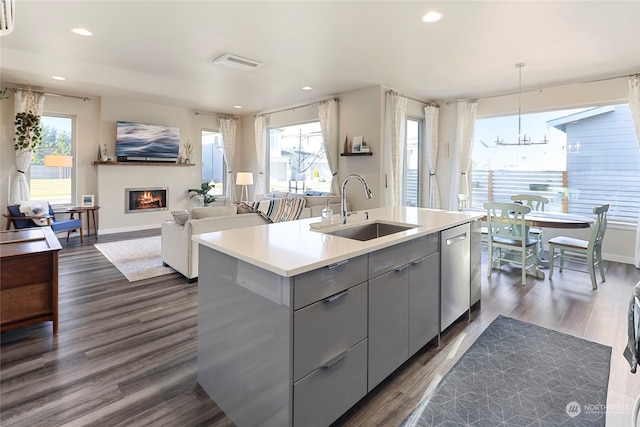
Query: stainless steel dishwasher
x=455, y=274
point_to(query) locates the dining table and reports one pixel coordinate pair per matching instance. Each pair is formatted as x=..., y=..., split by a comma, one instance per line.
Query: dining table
x=541, y=219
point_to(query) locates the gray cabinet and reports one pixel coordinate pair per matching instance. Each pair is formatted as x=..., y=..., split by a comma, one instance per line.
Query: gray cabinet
x=424, y=301
x=329, y=341
x=404, y=289
x=388, y=323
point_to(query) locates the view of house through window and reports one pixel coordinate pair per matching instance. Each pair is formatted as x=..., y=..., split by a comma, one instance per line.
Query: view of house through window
x=412, y=162
x=297, y=160
x=213, y=168
x=51, y=171
x=576, y=158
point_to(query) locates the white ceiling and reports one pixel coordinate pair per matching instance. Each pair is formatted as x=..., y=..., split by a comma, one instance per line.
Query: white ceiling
x=161, y=51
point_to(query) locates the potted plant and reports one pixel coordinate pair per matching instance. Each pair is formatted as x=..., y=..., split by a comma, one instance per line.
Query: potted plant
x=203, y=193
x=28, y=131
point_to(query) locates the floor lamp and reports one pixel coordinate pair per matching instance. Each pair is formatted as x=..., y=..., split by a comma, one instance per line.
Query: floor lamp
x=244, y=179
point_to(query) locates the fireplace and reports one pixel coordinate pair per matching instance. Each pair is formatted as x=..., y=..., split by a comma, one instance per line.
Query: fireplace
x=145, y=199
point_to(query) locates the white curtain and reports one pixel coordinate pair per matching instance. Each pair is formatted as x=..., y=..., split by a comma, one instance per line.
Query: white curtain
x=19, y=184
x=462, y=150
x=228, y=131
x=261, y=125
x=431, y=191
x=396, y=113
x=634, y=107
x=328, y=114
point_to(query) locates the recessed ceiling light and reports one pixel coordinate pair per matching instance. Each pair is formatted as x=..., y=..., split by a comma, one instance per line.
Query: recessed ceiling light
x=432, y=16
x=58, y=78
x=306, y=88
x=82, y=31
x=237, y=106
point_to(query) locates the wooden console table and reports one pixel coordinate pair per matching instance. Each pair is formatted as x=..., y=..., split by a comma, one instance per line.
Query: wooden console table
x=28, y=277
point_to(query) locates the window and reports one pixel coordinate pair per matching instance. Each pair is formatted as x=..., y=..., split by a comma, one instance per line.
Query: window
x=577, y=158
x=213, y=167
x=297, y=160
x=412, y=162
x=52, y=174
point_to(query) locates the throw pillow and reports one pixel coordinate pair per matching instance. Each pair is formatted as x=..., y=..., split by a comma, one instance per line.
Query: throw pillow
x=38, y=211
x=279, y=210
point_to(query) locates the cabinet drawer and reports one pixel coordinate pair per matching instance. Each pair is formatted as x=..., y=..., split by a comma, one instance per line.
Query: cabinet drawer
x=393, y=257
x=328, y=392
x=326, y=328
x=326, y=281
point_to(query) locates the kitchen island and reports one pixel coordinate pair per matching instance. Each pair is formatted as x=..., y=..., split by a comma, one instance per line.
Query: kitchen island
x=296, y=324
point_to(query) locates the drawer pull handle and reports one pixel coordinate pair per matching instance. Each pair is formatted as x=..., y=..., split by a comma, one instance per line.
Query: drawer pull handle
x=336, y=359
x=403, y=267
x=418, y=261
x=458, y=238
x=336, y=296
x=337, y=264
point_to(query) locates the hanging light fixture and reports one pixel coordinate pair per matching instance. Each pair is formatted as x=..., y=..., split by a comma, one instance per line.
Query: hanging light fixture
x=522, y=139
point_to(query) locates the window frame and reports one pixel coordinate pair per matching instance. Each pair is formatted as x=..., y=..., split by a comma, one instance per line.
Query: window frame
x=74, y=172
x=405, y=158
x=224, y=163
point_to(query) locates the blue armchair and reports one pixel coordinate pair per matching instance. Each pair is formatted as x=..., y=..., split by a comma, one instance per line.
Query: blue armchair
x=20, y=220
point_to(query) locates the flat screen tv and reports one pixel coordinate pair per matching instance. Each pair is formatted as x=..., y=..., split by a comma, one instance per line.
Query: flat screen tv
x=143, y=142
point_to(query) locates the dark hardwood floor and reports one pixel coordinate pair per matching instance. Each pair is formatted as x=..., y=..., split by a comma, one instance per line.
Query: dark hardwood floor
x=126, y=352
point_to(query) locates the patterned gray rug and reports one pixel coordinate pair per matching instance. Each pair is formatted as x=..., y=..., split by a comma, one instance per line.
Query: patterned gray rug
x=519, y=374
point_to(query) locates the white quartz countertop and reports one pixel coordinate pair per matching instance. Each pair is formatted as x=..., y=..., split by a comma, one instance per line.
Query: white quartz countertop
x=293, y=247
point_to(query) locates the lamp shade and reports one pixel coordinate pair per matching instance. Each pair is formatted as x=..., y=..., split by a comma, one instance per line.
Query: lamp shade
x=244, y=178
x=58, y=160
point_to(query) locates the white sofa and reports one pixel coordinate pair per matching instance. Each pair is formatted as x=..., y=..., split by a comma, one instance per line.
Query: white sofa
x=181, y=253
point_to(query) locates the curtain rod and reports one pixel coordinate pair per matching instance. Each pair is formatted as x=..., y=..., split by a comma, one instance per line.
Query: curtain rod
x=335, y=98
x=428, y=103
x=84, y=98
x=223, y=116
x=540, y=89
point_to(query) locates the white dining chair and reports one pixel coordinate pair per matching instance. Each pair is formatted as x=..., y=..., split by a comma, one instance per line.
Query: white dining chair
x=536, y=203
x=582, y=252
x=508, y=239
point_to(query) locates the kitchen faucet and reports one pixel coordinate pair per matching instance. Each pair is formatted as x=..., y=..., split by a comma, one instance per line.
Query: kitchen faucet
x=343, y=201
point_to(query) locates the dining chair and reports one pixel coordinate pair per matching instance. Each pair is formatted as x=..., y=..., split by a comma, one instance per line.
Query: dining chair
x=463, y=201
x=584, y=252
x=536, y=203
x=508, y=239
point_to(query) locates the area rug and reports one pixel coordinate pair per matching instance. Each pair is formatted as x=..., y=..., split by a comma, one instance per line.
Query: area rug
x=519, y=374
x=137, y=259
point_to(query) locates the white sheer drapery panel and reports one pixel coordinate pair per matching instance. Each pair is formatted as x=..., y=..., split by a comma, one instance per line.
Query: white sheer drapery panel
x=19, y=185
x=261, y=125
x=431, y=191
x=634, y=108
x=396, y=118
x=462, y=152
x=228, y=131
x=328, y=115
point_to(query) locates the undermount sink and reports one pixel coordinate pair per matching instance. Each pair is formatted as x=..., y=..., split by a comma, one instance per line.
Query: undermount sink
x=370, y=230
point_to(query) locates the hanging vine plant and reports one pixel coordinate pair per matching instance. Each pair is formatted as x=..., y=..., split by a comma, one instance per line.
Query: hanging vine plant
x=28, y=131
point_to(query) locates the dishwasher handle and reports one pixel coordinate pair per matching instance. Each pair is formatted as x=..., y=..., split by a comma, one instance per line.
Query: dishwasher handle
x=456, y=239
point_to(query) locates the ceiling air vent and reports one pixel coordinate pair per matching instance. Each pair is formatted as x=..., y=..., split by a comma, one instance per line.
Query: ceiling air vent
x=238, y=62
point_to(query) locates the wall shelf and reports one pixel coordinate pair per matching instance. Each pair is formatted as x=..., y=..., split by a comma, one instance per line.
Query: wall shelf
x=357, y=154
x=141, y=163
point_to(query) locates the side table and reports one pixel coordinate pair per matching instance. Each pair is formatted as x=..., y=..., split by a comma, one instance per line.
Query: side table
x=91, y=216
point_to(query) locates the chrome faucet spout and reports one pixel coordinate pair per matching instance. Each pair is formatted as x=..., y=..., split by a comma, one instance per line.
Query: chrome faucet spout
x=343, y=200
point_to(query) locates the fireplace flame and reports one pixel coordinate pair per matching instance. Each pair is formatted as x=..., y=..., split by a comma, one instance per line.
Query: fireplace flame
x=148, y=200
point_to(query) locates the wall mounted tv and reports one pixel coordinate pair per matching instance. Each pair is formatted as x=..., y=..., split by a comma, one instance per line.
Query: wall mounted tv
x=139, y=142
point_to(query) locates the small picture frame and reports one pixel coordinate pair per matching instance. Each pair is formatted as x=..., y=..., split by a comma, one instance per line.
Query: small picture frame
x=87, y=201
x=356, y=146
